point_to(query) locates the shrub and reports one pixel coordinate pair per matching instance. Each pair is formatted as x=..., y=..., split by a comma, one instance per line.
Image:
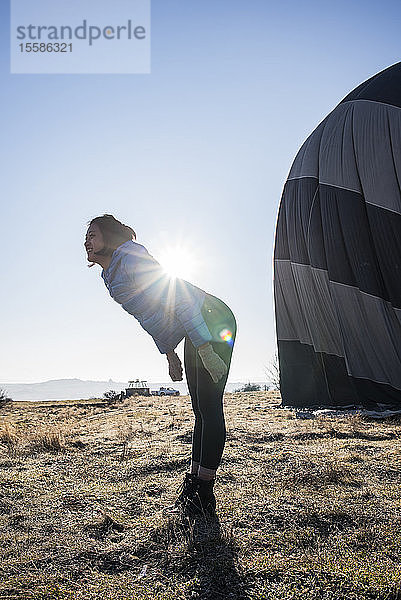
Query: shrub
x=273, y=372
x=112, y=396
x=249, y=387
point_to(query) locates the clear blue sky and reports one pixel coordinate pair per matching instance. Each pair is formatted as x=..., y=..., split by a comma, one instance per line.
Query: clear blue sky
x=197, y=151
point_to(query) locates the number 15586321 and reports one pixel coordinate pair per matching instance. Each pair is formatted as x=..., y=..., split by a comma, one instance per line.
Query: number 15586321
x=45, y=47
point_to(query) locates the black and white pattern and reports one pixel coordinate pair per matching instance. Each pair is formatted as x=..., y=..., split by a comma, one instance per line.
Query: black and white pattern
x=337, y=257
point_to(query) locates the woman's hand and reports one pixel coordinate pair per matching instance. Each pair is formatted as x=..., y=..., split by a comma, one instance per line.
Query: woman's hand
x=214, y=365
x=174, y=366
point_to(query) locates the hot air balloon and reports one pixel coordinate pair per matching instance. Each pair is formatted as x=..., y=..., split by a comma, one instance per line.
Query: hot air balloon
x=337, y=256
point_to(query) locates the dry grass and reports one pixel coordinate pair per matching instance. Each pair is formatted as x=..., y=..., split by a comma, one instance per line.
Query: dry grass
x=307, y=508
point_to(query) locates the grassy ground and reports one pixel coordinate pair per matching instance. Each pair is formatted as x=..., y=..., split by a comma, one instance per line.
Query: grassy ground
x=307, y=508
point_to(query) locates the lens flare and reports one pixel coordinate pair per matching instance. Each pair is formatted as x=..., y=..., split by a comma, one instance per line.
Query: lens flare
x=227, y=336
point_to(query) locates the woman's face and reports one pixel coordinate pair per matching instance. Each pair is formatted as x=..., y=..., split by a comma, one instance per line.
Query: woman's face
x=94, y=243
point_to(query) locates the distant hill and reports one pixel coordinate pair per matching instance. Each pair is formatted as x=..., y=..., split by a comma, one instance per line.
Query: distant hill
x=60, y=389
x=76, y=389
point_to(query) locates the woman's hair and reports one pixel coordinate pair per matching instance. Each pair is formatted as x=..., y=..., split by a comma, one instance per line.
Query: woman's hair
x=114, y=232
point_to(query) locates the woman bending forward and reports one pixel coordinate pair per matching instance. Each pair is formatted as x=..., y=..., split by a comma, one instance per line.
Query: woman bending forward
x=170, y=310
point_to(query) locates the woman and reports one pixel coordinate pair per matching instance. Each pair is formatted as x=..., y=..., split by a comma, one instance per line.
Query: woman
x=171, y=310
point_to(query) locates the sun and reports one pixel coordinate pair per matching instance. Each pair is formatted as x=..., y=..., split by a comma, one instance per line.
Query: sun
x=179, y=261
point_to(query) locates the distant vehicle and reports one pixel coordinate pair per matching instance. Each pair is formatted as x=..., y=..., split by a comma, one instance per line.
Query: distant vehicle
x=165, y=391
x=137, y=388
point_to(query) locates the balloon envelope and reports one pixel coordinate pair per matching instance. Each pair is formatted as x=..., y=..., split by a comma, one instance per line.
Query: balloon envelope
x=337, y=256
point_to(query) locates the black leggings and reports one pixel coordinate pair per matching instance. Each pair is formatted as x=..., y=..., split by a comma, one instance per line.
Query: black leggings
x=207, y=397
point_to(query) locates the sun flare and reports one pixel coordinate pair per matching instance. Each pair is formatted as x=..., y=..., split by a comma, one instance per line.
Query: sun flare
x=179, y=261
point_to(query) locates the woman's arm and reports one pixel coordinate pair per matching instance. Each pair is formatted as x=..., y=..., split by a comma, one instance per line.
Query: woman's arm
x=174, y=366
x=213, y=363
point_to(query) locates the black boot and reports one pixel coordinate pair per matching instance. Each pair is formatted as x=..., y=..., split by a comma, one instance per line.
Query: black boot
x=200, y=500
x=196, y=497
